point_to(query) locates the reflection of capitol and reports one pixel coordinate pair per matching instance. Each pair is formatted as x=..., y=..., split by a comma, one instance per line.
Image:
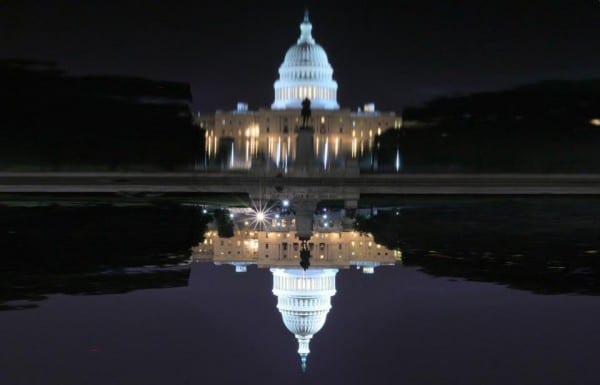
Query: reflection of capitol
x=235, y=138
x=303, y=296
x=339, y=249
x=304, y=299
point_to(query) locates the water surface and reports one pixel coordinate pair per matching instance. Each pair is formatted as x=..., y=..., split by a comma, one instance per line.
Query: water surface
x=493, y=291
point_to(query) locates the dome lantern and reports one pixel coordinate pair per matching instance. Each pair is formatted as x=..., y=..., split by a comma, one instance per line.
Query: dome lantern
x=306, y=31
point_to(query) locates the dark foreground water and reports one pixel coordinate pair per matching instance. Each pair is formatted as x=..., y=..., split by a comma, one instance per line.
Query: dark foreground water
x=488, y=291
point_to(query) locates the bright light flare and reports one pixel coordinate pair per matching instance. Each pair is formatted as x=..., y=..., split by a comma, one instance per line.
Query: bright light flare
x=261, y=214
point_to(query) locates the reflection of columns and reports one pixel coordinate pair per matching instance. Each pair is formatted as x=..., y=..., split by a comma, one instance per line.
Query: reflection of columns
x=304, y=300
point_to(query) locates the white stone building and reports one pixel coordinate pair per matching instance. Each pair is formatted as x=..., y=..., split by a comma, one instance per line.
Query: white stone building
x=339, y=133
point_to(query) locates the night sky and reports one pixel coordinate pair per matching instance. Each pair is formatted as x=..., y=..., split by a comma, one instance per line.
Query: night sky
x=394, y=53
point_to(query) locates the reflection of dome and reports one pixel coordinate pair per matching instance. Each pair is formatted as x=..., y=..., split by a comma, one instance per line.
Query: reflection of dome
x=304, y=299
x=305, y=73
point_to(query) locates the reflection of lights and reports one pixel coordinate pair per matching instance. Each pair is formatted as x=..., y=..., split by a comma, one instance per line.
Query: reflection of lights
x=324, y=216
x=260, y=214
x=253, y=245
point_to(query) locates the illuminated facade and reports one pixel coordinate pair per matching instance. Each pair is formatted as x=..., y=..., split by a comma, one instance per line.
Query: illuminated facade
x=339, y=249
x=239, y=136
x=303, y=296
x=277, y=244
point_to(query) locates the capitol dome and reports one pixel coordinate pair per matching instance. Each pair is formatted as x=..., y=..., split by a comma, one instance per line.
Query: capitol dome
x=305, y=73
x=304, y=299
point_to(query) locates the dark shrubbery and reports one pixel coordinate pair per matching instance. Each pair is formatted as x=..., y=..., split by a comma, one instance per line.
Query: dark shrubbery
x=53, y=121
x=543, y=127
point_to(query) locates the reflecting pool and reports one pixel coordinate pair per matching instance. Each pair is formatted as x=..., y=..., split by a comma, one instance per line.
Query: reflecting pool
x=455, y=290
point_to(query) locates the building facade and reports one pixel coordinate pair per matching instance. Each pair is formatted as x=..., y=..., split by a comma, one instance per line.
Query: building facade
x=276, y=243
x=303, y=295
x=241, y=135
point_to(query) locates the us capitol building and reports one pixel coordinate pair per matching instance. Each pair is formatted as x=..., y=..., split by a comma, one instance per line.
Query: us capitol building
x=239, y=136
x=303, y=295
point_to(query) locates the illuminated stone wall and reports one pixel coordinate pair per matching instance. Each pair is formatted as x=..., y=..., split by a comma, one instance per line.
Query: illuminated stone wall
x=339, y=134
x=340, y=249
